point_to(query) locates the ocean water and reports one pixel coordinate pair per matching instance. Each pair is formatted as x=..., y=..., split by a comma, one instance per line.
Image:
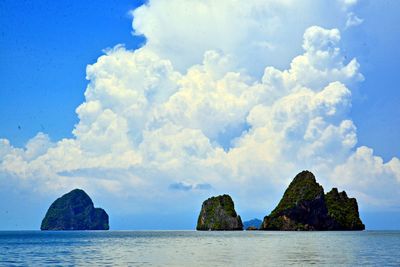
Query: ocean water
x=191, y=248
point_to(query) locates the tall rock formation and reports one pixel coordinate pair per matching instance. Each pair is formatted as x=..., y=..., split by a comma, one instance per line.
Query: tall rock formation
x=343, y=210
x=75, y=211
x=304, y=206
x=218, y=214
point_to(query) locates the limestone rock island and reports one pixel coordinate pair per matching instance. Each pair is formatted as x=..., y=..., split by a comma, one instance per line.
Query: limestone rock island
x=75, y=211
x=304, y=206
x=218, y=214
x=343, y=210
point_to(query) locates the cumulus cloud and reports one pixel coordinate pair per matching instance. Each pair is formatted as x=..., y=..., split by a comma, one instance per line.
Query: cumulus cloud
x=257, y=33
x=365, y=173
x=189, y=112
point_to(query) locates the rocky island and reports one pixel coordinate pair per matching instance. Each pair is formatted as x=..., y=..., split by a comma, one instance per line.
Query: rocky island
x=218, y=214
x=304, y=206
x=75, y=211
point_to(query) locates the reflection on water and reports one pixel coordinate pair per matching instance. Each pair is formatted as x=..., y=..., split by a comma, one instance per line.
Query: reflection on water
x=191, y=248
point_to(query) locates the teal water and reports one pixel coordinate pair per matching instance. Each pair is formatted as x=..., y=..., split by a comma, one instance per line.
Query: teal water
x=191, y=248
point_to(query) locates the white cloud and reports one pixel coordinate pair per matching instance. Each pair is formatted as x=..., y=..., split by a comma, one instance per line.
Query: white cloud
x=376, y=182
x=353, y=20
x=146, y=127
x=346, y=4
x=257, y=33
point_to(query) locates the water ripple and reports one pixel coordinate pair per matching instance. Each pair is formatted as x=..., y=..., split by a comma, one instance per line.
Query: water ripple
x=191, y=248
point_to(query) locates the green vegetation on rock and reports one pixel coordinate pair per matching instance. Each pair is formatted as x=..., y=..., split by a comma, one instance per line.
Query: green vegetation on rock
x=343, y=210
x=305, y=207
x=303, y=187
x=75, y=211
x=218, y=213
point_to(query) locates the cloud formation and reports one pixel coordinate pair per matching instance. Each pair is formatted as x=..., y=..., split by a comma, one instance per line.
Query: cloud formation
x=186, y=187
x=257, y=33
x=192, y=106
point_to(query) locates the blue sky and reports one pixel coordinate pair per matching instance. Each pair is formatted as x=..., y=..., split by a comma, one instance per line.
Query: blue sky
x=41, y=41
x=46, y=47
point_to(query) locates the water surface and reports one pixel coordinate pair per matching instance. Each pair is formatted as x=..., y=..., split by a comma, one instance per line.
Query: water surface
x=191, y=248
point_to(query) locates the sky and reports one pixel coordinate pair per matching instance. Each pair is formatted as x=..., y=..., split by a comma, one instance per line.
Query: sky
x=153, y=107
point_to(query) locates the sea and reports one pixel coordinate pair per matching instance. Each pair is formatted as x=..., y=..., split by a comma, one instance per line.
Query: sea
x=192, y=248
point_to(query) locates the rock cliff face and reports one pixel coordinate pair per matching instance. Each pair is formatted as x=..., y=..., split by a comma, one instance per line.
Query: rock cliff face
x=218, y=214
x=304, y=206
x=343, y=210
x=75, y=211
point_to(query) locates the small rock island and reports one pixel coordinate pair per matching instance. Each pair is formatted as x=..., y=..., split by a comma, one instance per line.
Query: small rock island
x=218, y=214
x=252, y=225
x=304, y=206
x=75, y=211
